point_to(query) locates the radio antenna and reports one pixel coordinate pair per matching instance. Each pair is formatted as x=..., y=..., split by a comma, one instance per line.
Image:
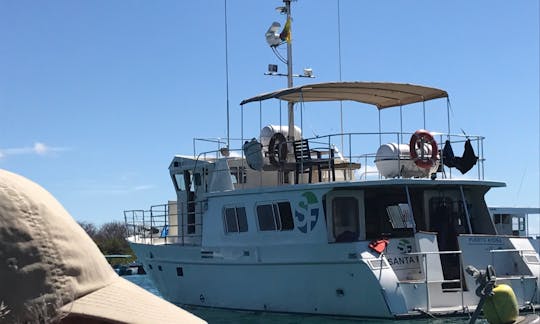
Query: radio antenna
x=227, y=75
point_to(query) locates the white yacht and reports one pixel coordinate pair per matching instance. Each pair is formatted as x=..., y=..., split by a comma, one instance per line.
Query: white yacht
x=289, y=223
x=514, y=220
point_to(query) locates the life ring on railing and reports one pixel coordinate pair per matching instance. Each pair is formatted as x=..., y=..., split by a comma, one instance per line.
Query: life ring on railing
x=418, y=139
x=277, y=149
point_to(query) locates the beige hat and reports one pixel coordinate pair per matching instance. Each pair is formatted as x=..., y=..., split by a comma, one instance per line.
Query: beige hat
x=49, y=267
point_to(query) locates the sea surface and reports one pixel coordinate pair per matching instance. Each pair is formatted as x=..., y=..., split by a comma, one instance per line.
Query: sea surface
x=220, y=316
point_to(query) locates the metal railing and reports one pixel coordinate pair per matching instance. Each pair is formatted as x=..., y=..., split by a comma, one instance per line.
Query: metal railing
x=359, y=151
x=161, y=225
x=461, y=279
x=426, y=281
x=505, y=252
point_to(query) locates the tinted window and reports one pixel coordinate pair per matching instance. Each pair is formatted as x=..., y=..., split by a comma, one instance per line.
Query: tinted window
x=230, y=220
x=345, y=215
x=285, y=214
x=276, y=216
x=235, y=220
x=242, y=219
x=265, y=214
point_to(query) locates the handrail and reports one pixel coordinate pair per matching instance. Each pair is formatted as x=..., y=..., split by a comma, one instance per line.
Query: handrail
x=427, y=282
x=520, y=251
x=461, y=279
x=435, y=252
x=154, y=226
x=511, y=250
x=358, y=143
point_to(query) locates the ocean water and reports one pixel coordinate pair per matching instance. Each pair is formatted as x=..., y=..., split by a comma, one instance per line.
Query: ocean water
x=221, y=316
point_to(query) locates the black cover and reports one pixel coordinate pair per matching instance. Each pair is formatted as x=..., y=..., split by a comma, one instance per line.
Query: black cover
x=463, y=163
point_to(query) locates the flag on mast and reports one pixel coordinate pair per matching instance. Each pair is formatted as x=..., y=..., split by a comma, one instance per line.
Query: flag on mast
x=285, y=34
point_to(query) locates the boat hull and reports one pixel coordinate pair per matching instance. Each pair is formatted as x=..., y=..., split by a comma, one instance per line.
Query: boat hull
x=244, y=281
x=346, y=279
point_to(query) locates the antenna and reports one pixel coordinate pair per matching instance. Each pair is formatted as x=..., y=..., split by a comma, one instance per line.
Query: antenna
x=339, y=63
x=227, y=77
x=290, y=105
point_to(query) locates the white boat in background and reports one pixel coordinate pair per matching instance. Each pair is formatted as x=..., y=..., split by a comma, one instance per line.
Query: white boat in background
x=516, y=221
x=303, y=225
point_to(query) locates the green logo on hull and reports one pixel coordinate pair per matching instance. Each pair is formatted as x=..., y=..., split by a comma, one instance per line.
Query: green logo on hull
x=307, y=213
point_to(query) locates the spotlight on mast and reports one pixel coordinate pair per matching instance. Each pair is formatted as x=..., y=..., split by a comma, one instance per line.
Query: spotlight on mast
x=272, y=35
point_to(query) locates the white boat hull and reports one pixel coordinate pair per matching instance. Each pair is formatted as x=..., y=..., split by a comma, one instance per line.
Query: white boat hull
x=331, y=279
x=338, y=287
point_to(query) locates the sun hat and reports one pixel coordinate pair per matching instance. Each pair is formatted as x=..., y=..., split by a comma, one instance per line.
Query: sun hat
x=50, y=268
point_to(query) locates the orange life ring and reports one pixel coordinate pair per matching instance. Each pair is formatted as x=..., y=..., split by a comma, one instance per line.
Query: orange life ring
x=418, y=139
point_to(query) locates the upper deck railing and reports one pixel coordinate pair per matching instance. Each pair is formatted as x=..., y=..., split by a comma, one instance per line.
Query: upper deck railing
x=358, y=154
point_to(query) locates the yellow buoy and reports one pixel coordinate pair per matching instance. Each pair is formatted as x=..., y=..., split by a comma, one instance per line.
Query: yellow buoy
x=502, y=307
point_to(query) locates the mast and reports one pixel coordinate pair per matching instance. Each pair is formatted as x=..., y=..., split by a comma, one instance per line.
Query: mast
x=274, y=38
x=290, y=105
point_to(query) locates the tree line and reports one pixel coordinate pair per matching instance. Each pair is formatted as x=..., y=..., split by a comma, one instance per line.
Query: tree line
x=110, y=238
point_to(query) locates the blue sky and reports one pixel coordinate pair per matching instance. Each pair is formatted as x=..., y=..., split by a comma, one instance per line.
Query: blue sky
x=97, y=96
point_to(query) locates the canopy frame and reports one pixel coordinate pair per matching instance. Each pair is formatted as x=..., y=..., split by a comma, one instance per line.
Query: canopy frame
x=380, y=94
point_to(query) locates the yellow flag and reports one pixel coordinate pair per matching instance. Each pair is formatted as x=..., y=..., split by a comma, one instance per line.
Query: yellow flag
x=286, y=32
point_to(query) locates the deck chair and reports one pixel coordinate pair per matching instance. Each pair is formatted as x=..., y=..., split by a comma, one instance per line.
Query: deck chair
x=307, y=159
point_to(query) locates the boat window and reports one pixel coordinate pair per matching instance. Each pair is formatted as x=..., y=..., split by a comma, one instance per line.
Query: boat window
x=265, y=215
x=285, y=215
x=389, y=214
x=400, y=216
x=179, y=181
x=235, y=220
x=518, y=223
x=238, y=174
x=197, y=179
x=501, y=219
x=345, y=216
x=275, y=217
x=505, y=224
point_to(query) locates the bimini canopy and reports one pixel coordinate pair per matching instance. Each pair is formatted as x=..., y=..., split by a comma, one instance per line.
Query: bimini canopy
x=380, y=94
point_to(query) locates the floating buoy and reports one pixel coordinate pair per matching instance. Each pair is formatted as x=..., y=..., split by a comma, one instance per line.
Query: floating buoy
x=502, y=306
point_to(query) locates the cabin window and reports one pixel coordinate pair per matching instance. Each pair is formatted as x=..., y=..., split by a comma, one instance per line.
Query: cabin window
x=400, y=216
x=389, y=212
x=265, y=215
x=235, y=220
x=501, y=219
x=518, y=223
x=197, y=179
x=187, y=180
x=275, y=217
x=238, y=174
x=179, y=181
x=345, y=215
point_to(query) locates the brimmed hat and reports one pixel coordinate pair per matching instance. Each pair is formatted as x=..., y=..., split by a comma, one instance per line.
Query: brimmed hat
x=50, y=267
